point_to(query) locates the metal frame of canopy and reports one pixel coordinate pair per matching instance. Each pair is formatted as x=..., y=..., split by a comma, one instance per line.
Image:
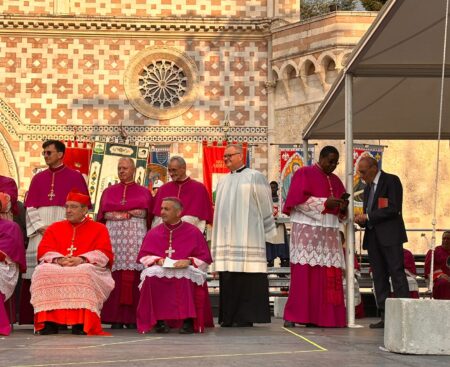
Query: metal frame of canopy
x=383, y=56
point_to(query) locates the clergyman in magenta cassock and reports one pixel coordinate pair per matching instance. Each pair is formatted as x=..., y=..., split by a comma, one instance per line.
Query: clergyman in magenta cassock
x=170, y=293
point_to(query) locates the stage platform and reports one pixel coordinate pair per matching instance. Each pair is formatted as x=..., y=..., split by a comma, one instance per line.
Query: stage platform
x=262, y=345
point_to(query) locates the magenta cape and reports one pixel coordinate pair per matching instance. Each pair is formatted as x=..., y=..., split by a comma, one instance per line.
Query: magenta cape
x=312, y=181
x=136, y=197
x=66, y=179
x=11, y=242
x=193, y=195
x=187, y=241
x=8, y=186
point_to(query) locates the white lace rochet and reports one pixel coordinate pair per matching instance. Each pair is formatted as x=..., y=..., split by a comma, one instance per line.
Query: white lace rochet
x=193, y=274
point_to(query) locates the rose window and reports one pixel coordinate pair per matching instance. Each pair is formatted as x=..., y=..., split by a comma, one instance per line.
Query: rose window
x=162, y=84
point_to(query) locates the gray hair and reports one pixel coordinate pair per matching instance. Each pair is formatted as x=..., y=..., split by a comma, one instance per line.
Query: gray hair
x=238, y=147
x=370, y=160
x=179, y=159
x=128, y=159
x=176, y=202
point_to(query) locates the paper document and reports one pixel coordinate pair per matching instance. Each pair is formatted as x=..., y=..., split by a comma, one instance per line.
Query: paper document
x=168, y=262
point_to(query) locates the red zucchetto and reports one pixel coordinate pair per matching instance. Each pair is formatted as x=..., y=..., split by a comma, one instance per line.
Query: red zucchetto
x=77, y=196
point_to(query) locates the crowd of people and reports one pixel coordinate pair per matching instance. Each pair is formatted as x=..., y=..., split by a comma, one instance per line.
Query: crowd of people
x=142, y=264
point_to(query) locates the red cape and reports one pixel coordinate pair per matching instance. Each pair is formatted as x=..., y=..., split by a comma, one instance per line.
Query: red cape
x=89, y=236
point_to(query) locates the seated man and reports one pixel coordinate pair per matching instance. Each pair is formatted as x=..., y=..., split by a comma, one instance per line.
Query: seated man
x=12, y=261
x=173, y=285
x=73, y=278
x=441, y=271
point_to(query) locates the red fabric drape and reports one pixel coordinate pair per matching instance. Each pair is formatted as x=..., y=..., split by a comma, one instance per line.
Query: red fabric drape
x=213, y=162
x=78, y=156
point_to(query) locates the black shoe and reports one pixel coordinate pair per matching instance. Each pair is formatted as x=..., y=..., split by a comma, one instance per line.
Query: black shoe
x=188, y=327
x=161, y=327
x=377, y=325
x=49, y=329
x=116, y=326
x=289, y=324
x=131, y=326
x=285, y=263
x=78, y=329
x=226, y=324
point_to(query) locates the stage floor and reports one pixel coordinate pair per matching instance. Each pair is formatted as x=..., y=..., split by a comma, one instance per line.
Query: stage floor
x=262, y=345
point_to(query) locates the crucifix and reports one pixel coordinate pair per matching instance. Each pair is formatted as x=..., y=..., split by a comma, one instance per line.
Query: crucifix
x=71, y=249
x=170, y=251
x=51, y=195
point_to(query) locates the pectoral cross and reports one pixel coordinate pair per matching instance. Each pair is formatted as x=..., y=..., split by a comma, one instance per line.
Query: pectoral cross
x=51, y=195
x=170, y=251
x=71, y=249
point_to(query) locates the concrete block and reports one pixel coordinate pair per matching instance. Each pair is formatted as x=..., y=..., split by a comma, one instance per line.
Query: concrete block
x=278, y=306
x=417, y=326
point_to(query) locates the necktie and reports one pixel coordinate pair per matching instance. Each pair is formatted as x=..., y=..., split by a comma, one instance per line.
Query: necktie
x=371, y=195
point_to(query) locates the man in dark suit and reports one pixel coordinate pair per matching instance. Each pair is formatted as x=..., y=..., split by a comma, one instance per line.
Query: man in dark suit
x=384, y=231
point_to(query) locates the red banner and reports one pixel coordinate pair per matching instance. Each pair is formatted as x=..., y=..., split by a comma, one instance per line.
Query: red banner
x=214, y=166
x=78, y=156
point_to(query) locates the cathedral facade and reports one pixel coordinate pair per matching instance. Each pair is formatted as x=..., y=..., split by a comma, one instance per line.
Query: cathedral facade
x=166, y=72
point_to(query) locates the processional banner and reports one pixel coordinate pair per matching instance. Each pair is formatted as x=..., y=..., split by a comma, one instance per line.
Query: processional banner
x=103, y=170
x=78, y=156
x=359, y=151
x=214, y=167
x=291, y=159
x=158, y=161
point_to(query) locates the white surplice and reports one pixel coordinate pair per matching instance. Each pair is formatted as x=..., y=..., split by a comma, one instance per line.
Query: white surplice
x=37, y=218
x=243, y=222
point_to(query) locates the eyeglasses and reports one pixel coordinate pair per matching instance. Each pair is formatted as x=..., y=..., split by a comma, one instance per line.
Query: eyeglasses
x=47, y=152
x=225, y=156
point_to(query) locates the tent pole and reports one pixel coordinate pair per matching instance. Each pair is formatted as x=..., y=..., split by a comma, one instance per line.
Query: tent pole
x=305, y=152
x=350, y=235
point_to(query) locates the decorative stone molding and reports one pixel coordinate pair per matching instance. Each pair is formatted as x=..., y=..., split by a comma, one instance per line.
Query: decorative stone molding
x=12, y=24
x=10, y=162
x=139, y=134
x=161, y=82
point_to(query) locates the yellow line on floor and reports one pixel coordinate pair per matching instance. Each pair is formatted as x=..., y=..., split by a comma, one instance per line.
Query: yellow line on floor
x=322, y=349
x=79, y=347
x=85, y=363
x=126, y=342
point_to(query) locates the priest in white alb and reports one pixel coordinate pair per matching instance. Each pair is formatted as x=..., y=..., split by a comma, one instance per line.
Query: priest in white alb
x=243, y=222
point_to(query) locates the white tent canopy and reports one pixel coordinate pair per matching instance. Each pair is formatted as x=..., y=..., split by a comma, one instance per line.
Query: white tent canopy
x=396, y=71
x=390, y=89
